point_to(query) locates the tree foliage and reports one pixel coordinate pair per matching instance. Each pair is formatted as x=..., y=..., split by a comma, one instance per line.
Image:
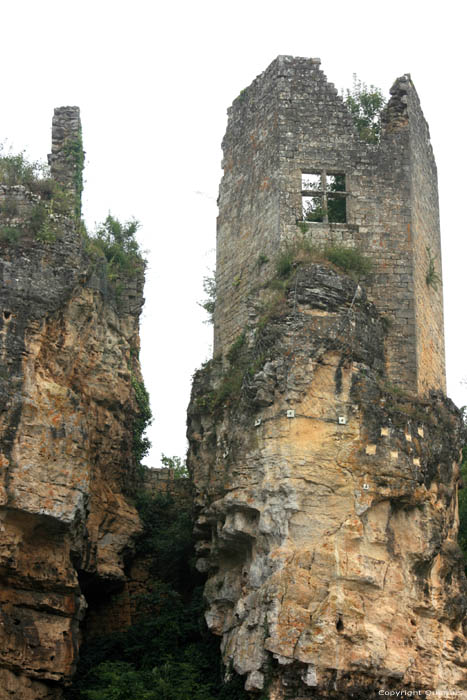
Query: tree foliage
x=168, y=654
x=176, y=465
x=141, y=443
x=117, y=243
x=365, y=104
x=209, y=303
x=43, y=218
x=17, y=169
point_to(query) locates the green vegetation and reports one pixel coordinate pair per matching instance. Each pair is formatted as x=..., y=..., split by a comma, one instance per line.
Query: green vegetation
x=116, y=243
x=11, y=234
x=232, y=380
x=365, y=104
x=350, y=260
x=337, y=205
x=243, y=361
x=387, y=322
x=285, y=261
x=168, y=654
x=462, y=536
x=75, y=155
x=9, y=207
x=230, y=386
x=403, y=405
x=166, y=539
x=16, y=169
x=316, y=213
x=209, y=288
x=141, y=444
x=51, y=202
x=432, y=278
x=177, y=465
x=235, y=349
x=242, y=95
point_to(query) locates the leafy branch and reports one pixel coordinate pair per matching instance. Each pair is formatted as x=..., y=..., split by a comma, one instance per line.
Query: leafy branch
x=365, y=104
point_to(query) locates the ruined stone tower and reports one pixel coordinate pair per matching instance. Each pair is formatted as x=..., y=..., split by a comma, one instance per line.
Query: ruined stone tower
x=323, y=451
x=67, y=158
x=290, y=123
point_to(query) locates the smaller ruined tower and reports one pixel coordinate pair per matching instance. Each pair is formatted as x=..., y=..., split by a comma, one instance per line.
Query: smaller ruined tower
x=67, y=158
x=290, y=144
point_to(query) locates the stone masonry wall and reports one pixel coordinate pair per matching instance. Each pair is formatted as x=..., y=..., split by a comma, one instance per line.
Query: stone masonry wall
x=427, y=250
x=319, y=134
x=392, y=191
x=248, y=222
x=67, y=156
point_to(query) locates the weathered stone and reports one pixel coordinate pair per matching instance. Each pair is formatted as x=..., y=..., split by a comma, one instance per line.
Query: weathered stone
x=69, y=349
x=290, y=121
x=325, y=465
x=330, y=546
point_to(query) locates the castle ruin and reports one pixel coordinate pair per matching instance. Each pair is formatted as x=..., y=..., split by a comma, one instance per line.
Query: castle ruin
x=323, y=451
x=289, y=131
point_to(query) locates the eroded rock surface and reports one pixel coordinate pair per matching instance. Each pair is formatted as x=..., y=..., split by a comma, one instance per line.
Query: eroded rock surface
x=69, y=346
x=327, y=505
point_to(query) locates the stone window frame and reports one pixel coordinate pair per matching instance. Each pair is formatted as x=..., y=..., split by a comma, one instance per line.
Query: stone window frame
x=323, y=191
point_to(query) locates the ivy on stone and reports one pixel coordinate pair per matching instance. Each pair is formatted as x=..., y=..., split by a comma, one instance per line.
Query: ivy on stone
x=141, y=444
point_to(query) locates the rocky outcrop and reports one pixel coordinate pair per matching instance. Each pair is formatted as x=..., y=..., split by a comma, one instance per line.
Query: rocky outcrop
x=69, y=345
x=327, y=504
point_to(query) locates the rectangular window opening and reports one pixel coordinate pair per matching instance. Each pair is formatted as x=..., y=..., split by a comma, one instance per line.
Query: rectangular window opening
x=337, y=209
x=324, y=197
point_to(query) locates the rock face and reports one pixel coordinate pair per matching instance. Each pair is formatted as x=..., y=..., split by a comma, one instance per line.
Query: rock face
x=327, y=503
x=69, y=346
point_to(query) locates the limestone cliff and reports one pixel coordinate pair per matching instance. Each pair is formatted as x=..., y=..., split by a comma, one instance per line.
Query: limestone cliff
x=327, y=503
x=69, y=344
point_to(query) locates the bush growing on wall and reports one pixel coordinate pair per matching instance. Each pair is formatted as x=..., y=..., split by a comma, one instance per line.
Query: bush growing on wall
x=117, y=243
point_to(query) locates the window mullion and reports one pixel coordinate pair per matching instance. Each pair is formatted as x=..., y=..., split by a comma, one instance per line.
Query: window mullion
x=324, y=196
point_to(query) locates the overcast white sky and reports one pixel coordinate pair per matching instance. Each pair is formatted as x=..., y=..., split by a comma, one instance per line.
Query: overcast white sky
x=154, y=81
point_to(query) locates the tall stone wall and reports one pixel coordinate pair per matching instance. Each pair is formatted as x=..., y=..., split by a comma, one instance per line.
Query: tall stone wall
x=291, y=121
x=427, y=252
x=248, y=223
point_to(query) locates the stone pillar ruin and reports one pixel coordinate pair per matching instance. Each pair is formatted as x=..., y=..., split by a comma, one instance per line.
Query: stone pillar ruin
x=67, y=158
